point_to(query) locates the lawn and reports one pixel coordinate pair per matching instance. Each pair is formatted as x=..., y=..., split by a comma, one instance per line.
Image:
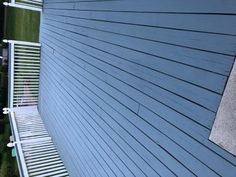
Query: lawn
x=22, y=25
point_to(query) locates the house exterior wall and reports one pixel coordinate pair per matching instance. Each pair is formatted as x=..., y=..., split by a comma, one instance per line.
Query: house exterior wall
x=131, y=88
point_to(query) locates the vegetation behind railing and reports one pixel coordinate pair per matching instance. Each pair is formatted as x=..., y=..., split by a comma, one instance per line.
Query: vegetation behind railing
x=21, y=24
x=8, y=165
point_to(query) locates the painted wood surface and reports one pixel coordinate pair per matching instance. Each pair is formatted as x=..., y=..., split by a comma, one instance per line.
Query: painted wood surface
x=131, y=88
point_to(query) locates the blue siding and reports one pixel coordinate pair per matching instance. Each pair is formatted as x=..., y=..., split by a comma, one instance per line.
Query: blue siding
x=131, y=88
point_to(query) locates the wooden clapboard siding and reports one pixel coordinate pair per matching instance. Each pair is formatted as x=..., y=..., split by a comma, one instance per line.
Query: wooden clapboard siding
x=131, y=88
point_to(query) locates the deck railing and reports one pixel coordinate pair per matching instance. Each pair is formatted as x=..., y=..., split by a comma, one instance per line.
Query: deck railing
x=35, y=152
x=35, y=5
x=24, y=68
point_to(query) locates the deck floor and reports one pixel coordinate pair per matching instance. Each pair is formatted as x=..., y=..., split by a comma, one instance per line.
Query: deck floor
x=131, y=88
x=36, y=153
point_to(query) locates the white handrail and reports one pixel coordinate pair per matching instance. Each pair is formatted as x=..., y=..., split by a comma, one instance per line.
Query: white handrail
x=22, y=42
x=23, y=6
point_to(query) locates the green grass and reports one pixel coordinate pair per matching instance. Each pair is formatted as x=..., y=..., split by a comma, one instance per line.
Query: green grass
x=8, y=165
x=22, y=25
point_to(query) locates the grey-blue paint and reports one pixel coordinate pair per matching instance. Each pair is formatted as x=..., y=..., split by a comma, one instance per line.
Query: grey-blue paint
x=131, y=88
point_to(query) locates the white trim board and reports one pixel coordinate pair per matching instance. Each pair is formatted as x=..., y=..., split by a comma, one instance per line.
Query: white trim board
x=224, y=128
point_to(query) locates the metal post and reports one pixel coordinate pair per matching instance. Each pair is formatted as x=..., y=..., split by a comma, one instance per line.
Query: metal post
x=12, y=46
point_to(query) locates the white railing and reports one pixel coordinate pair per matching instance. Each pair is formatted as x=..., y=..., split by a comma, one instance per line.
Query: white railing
x=35, y=5
x=24, y=69
x=36, y=154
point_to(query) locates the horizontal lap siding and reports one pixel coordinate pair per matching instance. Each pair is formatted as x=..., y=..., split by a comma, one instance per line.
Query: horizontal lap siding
x=130, y=88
